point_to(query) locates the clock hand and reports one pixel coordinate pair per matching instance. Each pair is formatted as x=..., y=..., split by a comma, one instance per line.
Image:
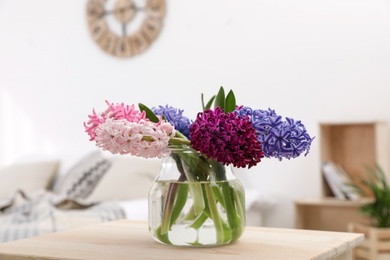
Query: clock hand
x=124, y=29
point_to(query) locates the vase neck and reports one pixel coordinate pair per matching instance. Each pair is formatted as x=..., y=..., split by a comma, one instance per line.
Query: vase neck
x=189, y=165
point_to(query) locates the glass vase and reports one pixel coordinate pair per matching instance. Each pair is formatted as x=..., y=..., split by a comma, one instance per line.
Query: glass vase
x=195, y=201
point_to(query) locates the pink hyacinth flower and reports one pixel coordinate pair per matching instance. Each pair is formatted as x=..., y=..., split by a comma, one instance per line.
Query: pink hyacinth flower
x=143, y=138
x=114, y=111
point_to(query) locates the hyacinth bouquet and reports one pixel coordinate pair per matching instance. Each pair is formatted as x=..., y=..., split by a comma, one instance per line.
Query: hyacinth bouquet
x=224, y=135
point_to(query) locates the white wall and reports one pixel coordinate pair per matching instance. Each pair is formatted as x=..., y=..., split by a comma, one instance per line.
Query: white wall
x=313, y=60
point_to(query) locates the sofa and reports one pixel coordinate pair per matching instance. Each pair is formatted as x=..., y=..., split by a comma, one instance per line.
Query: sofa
x=37, y=197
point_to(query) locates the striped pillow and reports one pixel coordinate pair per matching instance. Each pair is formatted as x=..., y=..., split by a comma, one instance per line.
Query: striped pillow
x=81, y=179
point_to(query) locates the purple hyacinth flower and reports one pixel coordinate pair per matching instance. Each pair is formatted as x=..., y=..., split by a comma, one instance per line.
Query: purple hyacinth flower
x=175, y=117
x=279, y=139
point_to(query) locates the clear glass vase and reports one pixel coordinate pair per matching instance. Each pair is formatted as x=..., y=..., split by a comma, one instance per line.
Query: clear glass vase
x=195, y=201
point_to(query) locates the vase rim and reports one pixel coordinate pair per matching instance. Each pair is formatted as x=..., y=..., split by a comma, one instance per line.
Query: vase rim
x=181, y=148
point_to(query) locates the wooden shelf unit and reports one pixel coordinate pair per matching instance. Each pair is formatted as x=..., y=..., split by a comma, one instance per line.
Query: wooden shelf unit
x=328, y=214
x=352, y=146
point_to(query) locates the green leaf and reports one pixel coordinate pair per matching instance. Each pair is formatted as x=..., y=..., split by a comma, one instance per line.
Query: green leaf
x=230, y=102
x=202, y=99
x=220, y=99
x=180, y=201
x=220, y=236
x=378, y=210
x=381, y=176
x=149, y=113
x=209, y=103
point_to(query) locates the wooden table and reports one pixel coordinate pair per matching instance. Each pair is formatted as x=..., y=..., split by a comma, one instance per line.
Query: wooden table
x=125, y=239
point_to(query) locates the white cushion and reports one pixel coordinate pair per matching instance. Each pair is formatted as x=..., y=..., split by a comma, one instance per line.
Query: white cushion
x=135, y=209
x=128, y=178
x=28, y=177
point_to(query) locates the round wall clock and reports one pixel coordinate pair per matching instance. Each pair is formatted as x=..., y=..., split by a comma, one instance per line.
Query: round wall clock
x=125, y=28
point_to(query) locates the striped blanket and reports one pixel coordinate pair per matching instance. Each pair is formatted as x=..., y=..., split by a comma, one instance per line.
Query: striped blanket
x=23, y=216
